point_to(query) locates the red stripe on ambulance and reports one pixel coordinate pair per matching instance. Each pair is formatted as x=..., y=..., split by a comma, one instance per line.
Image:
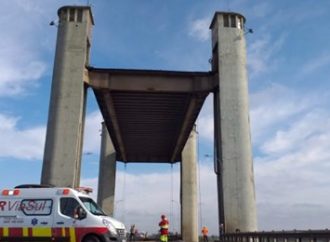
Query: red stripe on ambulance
x=81, y=232
x=16, y=232
x=30, y=232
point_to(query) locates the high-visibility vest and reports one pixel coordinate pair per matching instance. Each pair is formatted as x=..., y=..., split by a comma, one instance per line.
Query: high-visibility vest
x=163, y=227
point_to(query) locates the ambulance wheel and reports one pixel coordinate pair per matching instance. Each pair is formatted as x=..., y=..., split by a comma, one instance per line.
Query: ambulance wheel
x=91, y=238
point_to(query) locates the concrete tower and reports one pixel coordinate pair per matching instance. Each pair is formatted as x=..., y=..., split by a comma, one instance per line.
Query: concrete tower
x=62, y=156
x=107, y=173
x=234, y=165
x=189, y=217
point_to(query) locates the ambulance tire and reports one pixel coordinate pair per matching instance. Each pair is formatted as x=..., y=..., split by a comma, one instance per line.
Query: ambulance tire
x=91, y=238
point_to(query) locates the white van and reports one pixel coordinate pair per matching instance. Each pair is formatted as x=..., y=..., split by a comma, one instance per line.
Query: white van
x=37, y=213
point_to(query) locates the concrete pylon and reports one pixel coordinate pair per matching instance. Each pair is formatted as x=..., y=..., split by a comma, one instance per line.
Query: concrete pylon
x=234, y=165
x=62, y=155
x=189, y=220
x=107, y=173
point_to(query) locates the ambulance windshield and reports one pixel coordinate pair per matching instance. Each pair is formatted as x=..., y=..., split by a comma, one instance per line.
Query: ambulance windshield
x=91, y=206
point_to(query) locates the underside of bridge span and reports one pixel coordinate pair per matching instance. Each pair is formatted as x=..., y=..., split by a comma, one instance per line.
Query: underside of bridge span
x=149, y=114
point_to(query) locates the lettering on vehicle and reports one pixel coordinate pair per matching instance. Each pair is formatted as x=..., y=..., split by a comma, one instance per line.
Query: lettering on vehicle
x=2, y=205
x=36, y=206
x=10, y=205
x=27, y=206
x=11, y=220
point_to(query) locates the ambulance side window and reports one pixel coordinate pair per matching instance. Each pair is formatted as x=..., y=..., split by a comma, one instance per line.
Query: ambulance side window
x=68, y=205
x=36, y=207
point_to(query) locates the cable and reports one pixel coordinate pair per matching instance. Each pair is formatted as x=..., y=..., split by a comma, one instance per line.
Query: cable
x=171, y=197
x=124, y=192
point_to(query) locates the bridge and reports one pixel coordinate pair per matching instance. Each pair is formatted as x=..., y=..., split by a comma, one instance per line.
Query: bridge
x=149, y=117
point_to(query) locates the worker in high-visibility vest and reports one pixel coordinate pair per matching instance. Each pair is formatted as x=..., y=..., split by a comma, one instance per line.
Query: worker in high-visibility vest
x=163, y=224
x=205, y=233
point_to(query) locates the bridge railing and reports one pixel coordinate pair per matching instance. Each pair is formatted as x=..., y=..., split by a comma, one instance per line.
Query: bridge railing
x=279, y=236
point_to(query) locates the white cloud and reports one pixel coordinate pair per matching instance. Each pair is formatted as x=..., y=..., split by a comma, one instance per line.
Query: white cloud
x=321, y=61
x=199, y=29
x=276, y=106
x=16, y=77
x=26, y=39
x=267, y=111
x=21, y=64
x=148, y=195
x=92, y=134
x=21, y=144
x=205, y=125
x=293, y=184
x=291, y=141
x=299, y=133
x=262, y=54
x=28, y=143
x=292, y=136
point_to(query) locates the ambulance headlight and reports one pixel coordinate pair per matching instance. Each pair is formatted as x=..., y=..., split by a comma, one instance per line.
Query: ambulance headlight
x=109, y=225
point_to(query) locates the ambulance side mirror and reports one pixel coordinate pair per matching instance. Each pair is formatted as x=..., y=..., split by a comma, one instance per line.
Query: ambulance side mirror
x=80, y=213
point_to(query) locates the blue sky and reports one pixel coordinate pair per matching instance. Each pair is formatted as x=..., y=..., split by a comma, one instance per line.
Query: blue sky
x=288, y=65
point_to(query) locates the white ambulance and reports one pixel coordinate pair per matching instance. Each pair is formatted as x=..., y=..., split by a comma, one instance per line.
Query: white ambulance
x=37, y=213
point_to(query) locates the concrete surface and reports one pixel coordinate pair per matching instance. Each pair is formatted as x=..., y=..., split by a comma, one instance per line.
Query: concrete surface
x=232, y=124
x=62, y=155
x=107, y=173
x=189, y=226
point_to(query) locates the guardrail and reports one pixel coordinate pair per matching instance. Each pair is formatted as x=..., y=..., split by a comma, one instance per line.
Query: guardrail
x=278, y=236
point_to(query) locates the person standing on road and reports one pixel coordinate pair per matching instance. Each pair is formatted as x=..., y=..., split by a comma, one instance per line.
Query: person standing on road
x=132, y=233
x=205, y=233
x=163, y=224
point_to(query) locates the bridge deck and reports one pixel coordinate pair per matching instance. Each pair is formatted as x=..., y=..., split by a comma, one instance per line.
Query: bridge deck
x=149, y=114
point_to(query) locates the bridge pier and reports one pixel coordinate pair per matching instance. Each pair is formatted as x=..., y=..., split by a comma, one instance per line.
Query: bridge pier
x=233, y=151
x=107, y=173
x=189, y=226
x=66, y=118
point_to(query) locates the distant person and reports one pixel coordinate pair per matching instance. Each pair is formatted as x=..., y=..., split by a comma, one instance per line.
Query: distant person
x=163, y=224
x=132, y=233
x=221, y=230
x=205, y=233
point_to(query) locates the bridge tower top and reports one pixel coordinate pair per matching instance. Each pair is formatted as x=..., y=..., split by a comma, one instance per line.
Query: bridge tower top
x=77, y=14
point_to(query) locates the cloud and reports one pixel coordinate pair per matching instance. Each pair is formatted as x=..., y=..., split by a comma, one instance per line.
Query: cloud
x=205, y=125
x=313, y=65
x=92, y=134
x=28, y=144
x=17, y=77
x=24, y=46
x=267, y=111
x=199, y=29
x=144, y=197
x=291, y=160
x=293, y=185
x=291, y=137
x=262, y=54
x=21, y=64
x=21, y=144
x=301, y=132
